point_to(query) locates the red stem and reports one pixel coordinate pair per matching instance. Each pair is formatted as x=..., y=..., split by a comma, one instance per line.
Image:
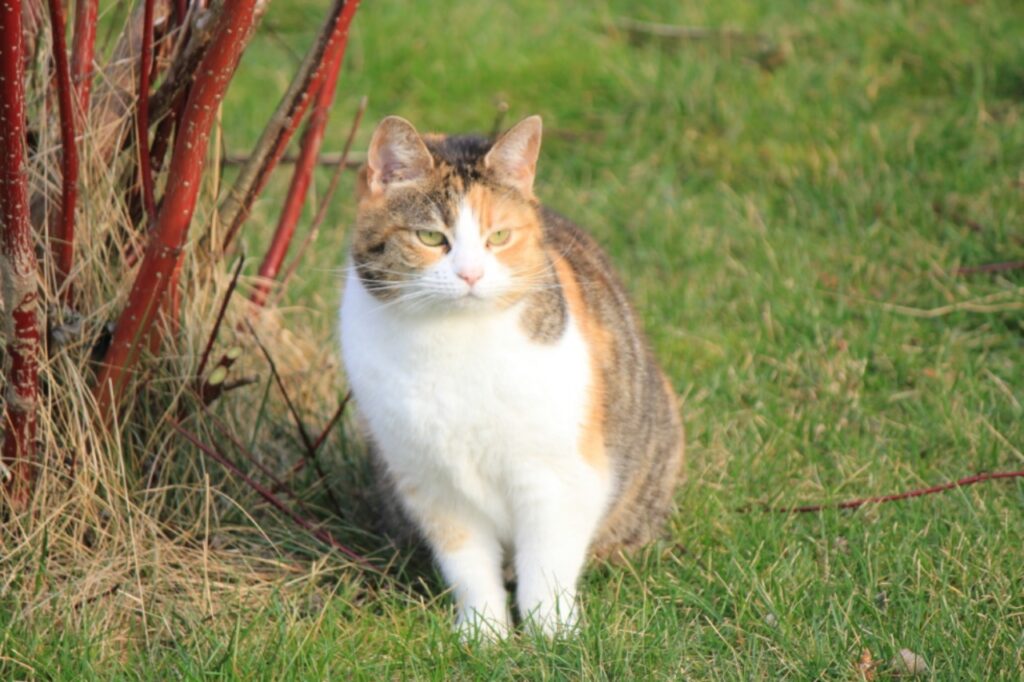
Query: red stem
x=309, y=149
x=336, y=30
x=18, y=263
x=853, y=504
x=185, y=174
x=325, y=200
x=64, y=241
x=142, y=112
x=82, y=48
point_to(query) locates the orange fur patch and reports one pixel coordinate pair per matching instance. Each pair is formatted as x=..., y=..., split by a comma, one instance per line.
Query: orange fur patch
x=599, y=342
x=522, y=253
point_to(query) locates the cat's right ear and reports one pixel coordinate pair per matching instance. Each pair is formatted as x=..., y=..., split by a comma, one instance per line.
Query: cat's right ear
x=396, y=155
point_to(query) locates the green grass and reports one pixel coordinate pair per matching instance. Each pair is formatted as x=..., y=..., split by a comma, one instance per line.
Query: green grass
x=778, y=229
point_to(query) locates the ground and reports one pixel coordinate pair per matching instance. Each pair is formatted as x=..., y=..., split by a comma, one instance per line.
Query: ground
x=788, y=193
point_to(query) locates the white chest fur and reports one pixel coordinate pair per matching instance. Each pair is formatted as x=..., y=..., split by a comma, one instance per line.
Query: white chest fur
x=467, y=402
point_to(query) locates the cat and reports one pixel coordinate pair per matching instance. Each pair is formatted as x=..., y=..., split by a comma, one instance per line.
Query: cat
x=514, y=409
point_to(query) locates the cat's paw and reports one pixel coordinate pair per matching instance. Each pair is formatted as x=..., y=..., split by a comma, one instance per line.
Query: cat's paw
x=476, y=628
x=556, y=620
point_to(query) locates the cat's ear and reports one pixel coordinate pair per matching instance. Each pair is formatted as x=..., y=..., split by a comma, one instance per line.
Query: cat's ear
x=513, y=158
x=396, y=155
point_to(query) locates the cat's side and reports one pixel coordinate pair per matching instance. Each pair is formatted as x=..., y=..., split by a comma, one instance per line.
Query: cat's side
x=512, y=403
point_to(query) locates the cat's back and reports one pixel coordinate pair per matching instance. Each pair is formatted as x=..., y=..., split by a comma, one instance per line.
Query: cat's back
x=641, y=428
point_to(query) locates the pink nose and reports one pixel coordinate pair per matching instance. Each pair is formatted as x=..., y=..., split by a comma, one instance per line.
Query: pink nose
x=471, y=275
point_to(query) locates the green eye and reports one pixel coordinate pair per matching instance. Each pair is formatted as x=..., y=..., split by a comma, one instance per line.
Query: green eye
x=431, y=237
x=499, y=237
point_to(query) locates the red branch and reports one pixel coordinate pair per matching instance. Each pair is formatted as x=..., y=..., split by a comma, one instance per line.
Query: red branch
x=82, y=48
x=142, y=112
x=185, y=173
x=302, y=174
x=63, y=244
x=271, y=145
x=18, y=265
x=854, y=504
x=325, y=200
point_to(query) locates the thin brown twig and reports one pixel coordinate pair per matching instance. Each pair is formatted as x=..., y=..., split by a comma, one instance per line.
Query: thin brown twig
x=355, y=159
x=320, y=534
x=303, y=435
x=918, y=492
x=1003, y=266
x=219, y=320
x=332, y=421
x=326, y=432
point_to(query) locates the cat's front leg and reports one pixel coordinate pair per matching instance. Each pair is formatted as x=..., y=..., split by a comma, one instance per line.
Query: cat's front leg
x=552, y=537
x=470, y=558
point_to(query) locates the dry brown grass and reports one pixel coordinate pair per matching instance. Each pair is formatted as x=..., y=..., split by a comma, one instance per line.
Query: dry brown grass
x=130, y=528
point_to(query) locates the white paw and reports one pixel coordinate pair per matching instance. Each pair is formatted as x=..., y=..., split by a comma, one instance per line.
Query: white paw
x=476, y=627
x=557, y=618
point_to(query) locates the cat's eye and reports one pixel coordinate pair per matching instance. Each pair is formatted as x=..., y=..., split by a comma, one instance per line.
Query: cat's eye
x=431, y=237
x=498, y=237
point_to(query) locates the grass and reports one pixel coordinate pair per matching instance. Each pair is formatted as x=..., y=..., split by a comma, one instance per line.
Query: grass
x=789, y=214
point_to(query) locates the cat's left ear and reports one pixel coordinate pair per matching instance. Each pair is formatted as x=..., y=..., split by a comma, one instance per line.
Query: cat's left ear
x=513, y=158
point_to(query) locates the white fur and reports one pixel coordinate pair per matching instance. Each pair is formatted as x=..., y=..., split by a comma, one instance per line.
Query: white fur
x=480, y=427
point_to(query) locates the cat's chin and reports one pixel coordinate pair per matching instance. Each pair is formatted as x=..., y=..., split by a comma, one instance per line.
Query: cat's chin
x=471, y=302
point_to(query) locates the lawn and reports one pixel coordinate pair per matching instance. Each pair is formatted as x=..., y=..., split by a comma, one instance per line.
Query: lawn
x=788, y=193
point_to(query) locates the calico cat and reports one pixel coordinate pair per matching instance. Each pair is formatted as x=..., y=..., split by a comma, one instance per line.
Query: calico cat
x=513, y=406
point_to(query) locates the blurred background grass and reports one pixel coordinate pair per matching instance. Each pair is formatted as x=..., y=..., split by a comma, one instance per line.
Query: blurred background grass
x=788, y=195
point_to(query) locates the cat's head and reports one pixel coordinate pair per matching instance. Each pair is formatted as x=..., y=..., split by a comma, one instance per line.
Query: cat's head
x=449, y=223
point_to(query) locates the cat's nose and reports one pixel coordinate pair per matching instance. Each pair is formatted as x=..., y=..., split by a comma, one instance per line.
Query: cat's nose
x=470, y=275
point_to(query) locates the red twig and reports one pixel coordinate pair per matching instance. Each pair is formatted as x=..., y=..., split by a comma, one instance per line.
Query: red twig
x=325, y=200
x=82, y=47
x=219, y=320
x=854, y=504
x=302, y=174
x=332, y=421
x=270, y=147
x=63, y=244
x=185, y=173
x=18, y=264
x=991, y=267
x=303, y=435
x=326, y=432
x=142, y=113
x=318, y=533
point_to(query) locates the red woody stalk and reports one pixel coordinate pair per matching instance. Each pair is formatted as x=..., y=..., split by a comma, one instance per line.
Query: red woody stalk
x=17, y=267
x=167, y=237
